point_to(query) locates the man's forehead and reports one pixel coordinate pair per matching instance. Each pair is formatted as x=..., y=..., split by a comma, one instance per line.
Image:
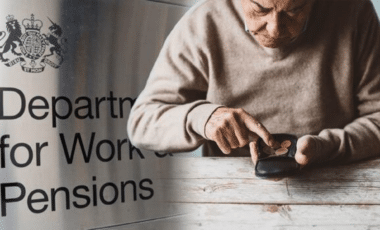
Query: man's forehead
x=280, y=4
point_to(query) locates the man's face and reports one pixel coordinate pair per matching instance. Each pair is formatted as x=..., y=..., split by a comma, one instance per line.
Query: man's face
x=275, y=23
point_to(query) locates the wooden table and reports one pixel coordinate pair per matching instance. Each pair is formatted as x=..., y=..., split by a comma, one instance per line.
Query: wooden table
x=224, y=193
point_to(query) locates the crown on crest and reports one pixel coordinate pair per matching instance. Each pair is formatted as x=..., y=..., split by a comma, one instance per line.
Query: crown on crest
x=32, y=24
x=10, y=18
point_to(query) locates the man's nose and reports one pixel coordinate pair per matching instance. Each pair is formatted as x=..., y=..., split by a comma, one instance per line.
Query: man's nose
x=275, y=25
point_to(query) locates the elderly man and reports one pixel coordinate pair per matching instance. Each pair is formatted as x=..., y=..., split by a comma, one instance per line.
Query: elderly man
x=235, y=70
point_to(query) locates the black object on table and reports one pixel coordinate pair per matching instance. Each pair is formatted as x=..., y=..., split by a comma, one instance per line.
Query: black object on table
x=277, y=165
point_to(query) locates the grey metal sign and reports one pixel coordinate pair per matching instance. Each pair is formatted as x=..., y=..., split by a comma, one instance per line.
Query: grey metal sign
x=70, y=72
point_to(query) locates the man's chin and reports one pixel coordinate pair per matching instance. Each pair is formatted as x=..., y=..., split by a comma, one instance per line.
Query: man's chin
x=273, y=43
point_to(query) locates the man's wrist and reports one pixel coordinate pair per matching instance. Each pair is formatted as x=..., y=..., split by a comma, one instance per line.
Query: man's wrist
x=326, y=147
x=199, y=116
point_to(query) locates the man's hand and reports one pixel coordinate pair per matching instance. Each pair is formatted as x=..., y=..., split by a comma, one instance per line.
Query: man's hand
x=313, y=149
x=232, y=128
x=307, y=150
x=310, y=149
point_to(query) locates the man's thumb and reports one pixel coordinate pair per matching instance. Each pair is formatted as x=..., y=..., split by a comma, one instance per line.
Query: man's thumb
x=305, y=150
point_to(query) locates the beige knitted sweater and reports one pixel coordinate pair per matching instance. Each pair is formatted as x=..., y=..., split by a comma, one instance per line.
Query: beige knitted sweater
x=325, y=83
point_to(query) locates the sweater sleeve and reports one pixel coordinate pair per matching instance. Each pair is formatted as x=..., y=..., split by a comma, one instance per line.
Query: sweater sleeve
x=171, y=112
x=361, y=138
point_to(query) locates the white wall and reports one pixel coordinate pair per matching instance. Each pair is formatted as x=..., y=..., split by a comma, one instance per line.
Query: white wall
x=376, y=3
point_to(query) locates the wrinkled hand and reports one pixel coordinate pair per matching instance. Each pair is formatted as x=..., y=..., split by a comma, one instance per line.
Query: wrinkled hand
x=310, y=149
x=232, y=128
x=307, y=150
x=313, y=149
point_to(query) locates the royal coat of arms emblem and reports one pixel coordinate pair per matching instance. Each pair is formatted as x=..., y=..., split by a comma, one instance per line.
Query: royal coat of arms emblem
x=40, y=49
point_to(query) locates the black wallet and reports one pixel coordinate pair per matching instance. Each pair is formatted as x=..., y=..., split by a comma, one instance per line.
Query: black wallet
x=280, y=165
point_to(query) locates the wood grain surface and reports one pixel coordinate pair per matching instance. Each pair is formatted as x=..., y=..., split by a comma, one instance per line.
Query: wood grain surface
x=224, y=193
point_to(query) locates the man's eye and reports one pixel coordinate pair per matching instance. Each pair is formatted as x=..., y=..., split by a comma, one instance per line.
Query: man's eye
x=260, y=10
x=293, y=12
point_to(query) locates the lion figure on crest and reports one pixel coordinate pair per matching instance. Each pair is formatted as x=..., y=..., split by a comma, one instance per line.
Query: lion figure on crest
x=14, y=29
